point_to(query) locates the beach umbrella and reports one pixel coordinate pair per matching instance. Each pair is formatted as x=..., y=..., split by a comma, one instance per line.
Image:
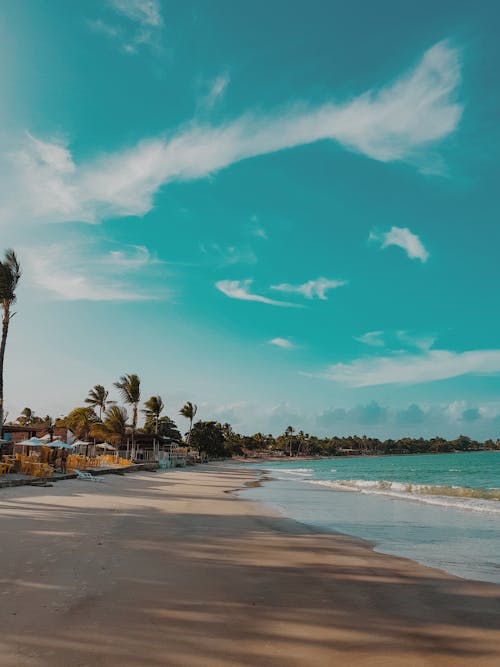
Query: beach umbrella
x=107, y=446
x=32, y=442
x=61, y=445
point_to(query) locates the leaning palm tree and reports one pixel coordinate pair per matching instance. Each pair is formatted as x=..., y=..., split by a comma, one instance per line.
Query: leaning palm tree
x=189, y=411
x=153, y=408
x=130, y=392
x=98, y=398
x=10, y=273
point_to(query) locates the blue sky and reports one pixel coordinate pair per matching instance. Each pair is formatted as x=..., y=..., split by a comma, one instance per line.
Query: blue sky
x=285, y=212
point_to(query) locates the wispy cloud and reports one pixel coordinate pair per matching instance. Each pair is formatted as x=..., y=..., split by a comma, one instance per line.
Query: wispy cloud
x=256, y=229
x=403, y=238
x=69, y=276
x=135, y=257
x=228, y=255
x=240, y=289
x=216, y=91
x=284, y=343
x=395, y=123
x=372, y=338
x=312, y=289
x=142, y=21
x=102, y=28
x=143, y=12
x=396, y=339
x=405, y=368
x=419, y=341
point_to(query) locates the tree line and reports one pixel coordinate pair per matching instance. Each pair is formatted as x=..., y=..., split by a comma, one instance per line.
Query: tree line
x=293, y=443
x=104, y=419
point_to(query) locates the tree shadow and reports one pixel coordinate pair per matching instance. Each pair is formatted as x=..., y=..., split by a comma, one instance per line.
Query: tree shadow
x=153, y=571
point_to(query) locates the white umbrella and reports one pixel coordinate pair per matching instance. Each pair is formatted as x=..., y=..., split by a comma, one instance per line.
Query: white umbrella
x=106, y=445
x=47, y=438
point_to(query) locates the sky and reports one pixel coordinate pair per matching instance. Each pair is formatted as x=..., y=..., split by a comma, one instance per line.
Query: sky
x=284, y=212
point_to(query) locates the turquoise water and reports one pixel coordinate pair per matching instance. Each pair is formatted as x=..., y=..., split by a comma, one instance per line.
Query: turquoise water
x=441, y=510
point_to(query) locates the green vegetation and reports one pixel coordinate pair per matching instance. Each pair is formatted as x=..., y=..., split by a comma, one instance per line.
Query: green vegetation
x=189, y=411
x=291, y=443
x=98, y=398
x=10, y=274
x=208, y=438
x=129, y=387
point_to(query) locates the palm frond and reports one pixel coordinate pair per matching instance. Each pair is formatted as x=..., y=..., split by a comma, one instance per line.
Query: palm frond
x=129, y=387
x=10, y=274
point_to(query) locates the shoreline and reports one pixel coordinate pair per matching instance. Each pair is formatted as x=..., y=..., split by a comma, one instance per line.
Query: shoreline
x=174, y=568
x=380, y=455
x=370, y=543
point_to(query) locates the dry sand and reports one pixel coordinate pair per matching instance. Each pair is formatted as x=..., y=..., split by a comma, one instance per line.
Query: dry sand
x=154, y=569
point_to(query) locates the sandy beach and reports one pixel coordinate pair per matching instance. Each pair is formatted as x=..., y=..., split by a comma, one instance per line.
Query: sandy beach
x=172, y=568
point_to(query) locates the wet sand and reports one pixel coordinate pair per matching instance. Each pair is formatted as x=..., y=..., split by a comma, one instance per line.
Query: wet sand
x=172, y=569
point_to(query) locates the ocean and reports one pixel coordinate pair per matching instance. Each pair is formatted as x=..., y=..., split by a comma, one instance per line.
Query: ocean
x=441, y=510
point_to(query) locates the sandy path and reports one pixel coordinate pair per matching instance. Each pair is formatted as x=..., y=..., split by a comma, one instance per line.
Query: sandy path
x=166, y=569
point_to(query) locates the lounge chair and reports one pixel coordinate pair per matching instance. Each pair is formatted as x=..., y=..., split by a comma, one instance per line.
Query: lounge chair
x=86, y=476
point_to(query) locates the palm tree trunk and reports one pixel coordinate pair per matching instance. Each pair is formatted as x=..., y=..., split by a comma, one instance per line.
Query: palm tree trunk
x=189, y=434
x=5, y=331
x=134, y=424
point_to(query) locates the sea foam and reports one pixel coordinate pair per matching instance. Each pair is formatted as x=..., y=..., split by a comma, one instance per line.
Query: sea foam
x=478, y=500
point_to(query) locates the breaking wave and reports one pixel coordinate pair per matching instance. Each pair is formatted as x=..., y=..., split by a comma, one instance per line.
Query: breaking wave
x=479, y=499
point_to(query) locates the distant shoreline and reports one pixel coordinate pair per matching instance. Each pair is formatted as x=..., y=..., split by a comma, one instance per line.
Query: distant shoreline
x=284, y=459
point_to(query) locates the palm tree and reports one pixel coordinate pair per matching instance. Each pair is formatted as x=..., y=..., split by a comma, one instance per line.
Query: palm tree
x=114, y=426
x=189, y=411
x=98, y=398
x=153, y=409
x=49, y=424
x=27, y=417
x=289, y=431
x=10, y=273
x=130, y=391
x=80, y=421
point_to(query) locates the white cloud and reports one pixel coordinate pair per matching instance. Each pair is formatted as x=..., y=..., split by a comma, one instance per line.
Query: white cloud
x=395, y=339
x=422, y=342
x=141, y=24
x=406, y=368
x=256, y=229
x=240, y=289
x=229, y=255
x=103, y=28
x=372, y=338
x=216, y=91
x=403, y=238
x=144, y=12
x=136, y=257
x=66, y=275
x=312, y=288
x=54, y=155
x=395, y=123
x=284, y=343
